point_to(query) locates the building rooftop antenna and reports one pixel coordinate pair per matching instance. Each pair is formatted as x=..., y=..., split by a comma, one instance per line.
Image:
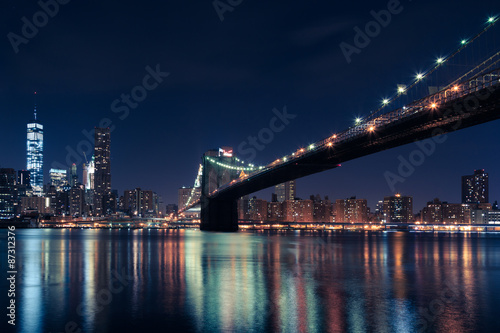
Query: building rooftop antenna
x=35, y=105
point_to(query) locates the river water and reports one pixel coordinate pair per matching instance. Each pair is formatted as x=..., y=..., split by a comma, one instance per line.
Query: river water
x=192, y=281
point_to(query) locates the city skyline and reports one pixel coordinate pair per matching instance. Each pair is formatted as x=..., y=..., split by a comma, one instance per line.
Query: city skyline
x=323, y=101
x=104, y=139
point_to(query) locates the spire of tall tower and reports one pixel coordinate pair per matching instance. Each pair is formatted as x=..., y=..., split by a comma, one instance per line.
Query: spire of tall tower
x=35, y=106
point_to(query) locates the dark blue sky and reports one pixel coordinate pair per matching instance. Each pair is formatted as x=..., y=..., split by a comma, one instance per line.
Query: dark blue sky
x=225, y=79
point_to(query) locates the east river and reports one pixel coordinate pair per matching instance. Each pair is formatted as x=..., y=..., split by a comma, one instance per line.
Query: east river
x=72, y=280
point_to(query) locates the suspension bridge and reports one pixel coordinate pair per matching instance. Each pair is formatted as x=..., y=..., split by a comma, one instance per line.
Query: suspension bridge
x=472, y=98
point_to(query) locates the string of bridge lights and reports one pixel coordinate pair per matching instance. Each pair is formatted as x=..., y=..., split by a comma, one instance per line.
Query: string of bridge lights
x=197, y=184
x=422, y=75
x=250, y=167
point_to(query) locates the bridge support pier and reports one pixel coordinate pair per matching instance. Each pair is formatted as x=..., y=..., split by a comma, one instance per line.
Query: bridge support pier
x=219, y=214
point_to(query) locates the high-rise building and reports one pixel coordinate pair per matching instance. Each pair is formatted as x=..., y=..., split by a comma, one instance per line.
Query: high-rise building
x=23, y=178
x=88, y=174
x=34, y=154
x=73, y=180
x=102, y=174
x=398, y=209
x=58, y=178
x=322, y=209
x=298, y=211
x=7, y=193
x=139, y=202
x=351, y=210
x=257, y=209
x=437, y=212
x=475, y=188
x=285, y=191
x=77, y=200
x=243, y=208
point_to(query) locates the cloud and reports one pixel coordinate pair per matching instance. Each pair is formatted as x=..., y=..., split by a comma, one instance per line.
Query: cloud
x=324, y=30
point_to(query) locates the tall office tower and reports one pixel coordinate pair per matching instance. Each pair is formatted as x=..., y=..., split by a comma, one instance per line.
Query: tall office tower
x=475, y=188
x=7, y=193
x=351, y=210
x=285, y=191
x=73, y=180
x=23, y=178
x=58, y=179
x=398, y=209
x=84, y=176
x=35, y=154
x=89, y=173
x=102, y=174
x=76, y=199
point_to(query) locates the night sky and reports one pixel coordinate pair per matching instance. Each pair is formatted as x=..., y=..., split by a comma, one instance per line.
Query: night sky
x=225, y=78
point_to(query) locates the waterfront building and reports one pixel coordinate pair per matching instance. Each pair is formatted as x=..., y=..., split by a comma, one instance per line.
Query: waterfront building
x=437, y=212
x=398, y=209
x=257, y=209
x=322, y=209
x=139, y=202
x=275, y=211
x=475, y=188
x=351, y=210
x=298, y=211
x=483, y=216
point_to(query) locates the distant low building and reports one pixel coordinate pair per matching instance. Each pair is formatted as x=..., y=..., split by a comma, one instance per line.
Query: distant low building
x=322, y=209
x=398, y=209
x=482, y=216
x=351, y=210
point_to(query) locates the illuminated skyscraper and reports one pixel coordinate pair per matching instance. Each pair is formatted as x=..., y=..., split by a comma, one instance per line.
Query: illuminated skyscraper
x=73, y=180
x=475, y=188
x=398, y=209
x=285, y=191
x=102, y=175
x=88, y=174
x=35, y=154
x=58, y=179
